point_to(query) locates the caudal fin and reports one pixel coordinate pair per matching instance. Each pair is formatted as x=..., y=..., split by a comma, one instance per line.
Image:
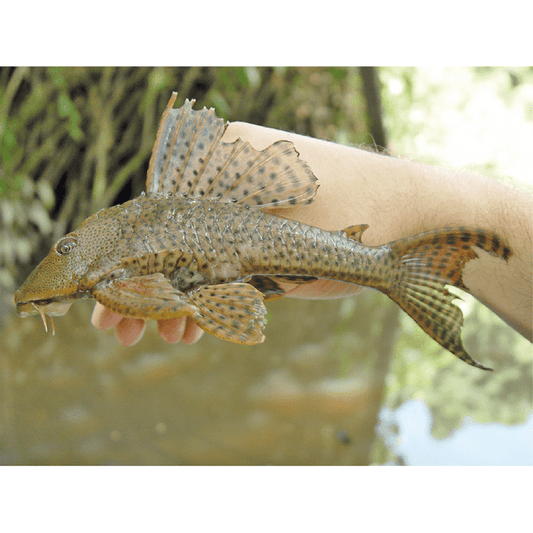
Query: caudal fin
x=427, y=263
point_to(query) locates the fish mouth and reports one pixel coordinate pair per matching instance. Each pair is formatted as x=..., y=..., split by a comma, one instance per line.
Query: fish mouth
x=45, y=308
x=49, y=307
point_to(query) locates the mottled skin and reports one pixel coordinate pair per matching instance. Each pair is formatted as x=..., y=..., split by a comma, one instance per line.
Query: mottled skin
x=211, y=243
x=199, y=244
x=196, y=242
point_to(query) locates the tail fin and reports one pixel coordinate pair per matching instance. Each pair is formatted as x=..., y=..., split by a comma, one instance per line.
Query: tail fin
x=430, y=261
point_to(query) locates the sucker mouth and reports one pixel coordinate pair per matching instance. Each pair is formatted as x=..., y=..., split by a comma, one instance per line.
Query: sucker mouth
x=45, y=308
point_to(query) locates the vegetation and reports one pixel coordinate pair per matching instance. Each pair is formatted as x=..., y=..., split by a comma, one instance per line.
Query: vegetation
x=478, y=119
x=75, y=140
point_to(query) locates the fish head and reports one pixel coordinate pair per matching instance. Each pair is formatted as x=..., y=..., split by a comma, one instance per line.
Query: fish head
x=54, y=281
x=62, y=275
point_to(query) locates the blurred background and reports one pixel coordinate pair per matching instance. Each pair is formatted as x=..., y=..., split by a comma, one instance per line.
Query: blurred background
x=349, y=381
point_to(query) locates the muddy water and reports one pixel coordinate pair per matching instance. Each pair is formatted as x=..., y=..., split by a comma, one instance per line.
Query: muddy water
x=310, y=394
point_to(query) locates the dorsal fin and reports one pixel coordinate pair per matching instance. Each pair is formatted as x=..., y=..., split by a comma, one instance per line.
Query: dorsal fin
x=190, y=159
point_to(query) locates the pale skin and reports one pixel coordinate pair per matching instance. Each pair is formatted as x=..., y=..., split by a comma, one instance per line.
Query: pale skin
x=397, y=198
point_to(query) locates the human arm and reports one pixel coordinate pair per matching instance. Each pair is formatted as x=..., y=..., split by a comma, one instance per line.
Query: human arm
x=397, y=198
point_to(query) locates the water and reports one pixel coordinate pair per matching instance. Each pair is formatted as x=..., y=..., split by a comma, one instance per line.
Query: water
x=309, y=395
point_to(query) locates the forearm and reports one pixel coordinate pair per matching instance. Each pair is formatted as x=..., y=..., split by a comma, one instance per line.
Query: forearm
x=398, y=198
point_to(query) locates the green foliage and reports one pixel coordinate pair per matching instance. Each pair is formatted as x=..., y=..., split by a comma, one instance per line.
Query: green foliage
x=423, y=370
x=423, y=112
x=477, y=119
x=75, y=140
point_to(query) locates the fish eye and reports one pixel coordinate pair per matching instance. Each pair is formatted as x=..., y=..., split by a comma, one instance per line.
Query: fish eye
x=66, y=245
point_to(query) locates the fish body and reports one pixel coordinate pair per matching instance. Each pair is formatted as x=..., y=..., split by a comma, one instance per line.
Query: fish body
x=199, y=243
x=205, y=242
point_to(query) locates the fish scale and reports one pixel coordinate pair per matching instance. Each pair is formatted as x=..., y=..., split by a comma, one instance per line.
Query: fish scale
x=255, y=242
x=199, y=244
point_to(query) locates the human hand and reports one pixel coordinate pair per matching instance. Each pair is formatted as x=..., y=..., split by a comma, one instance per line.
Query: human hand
x=129, y=331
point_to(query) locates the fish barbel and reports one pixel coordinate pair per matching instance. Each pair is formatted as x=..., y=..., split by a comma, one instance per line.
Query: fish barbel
x=200, y=244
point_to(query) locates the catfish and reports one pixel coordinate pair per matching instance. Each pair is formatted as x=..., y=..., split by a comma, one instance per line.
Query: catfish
x=201, y=243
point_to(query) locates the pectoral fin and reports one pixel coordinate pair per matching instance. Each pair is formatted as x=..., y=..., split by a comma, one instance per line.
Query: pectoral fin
x=232, y=311
x=148, y=297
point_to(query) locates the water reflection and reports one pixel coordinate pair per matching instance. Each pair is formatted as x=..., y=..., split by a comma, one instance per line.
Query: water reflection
x=408, y=433
x=309, y=395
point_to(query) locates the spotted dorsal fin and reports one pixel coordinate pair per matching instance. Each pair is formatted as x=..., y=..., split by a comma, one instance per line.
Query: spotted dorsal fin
x=189, y=159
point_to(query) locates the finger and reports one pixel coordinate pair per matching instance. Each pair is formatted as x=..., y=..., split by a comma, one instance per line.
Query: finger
x=103, y=318
x=172, y=329
x=192, y=332
x=130, y=331
x=321, y=289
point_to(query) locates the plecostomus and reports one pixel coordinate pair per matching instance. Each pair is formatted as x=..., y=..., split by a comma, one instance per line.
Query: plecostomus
x=200, y=244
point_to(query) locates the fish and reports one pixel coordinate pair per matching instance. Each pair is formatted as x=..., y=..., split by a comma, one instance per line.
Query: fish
x=201, y=242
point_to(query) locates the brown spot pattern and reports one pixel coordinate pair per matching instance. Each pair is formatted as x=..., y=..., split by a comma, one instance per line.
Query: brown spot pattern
x=426, y=263
x=205, y=166
x=233, y=311
x=187, y=247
